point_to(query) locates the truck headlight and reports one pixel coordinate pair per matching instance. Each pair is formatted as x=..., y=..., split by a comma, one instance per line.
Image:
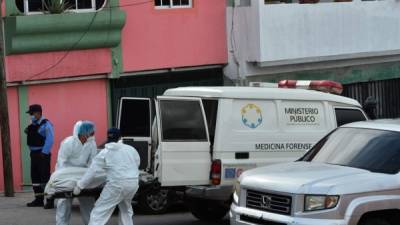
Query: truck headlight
x=236, y=193
x=320, y=202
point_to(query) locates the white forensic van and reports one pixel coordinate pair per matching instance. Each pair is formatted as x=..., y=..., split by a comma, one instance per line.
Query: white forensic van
x=200, y=139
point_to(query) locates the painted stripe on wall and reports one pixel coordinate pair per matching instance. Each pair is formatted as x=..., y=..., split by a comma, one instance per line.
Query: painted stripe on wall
x=109, y=105
x=116, y=57
x=116, y=52
x=24, y=122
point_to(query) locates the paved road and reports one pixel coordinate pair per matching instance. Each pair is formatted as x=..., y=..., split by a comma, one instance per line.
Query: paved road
x=14, y=212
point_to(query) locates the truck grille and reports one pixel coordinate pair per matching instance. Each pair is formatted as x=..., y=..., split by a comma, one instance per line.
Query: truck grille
x=279, y=204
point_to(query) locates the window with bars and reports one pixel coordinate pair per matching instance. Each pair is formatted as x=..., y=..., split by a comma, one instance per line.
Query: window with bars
x=39, y=6
x=166, y=4
x=88, y=5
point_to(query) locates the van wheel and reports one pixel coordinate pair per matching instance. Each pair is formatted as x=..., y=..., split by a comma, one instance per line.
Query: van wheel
x=154, y=201
x=374, y=221
x=207, y=210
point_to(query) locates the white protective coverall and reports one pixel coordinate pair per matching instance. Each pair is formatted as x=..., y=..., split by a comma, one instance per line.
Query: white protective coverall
x=121, y=163
x=73, y=153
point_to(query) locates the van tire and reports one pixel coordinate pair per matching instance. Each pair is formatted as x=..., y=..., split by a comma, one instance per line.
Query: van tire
x=207, y=210
x=154, y=201
x=374, y=221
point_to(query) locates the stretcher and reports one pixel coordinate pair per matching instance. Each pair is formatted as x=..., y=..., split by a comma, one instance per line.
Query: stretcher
x=63, y=181
x=93, y=192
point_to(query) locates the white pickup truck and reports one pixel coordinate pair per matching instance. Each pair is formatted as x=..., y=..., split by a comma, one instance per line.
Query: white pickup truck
x=350, y=177
x=200, y=139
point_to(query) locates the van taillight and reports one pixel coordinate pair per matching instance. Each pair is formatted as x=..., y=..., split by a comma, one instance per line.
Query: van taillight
x=216, y=172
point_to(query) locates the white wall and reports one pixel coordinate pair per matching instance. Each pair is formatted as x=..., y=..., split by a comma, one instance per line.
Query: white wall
x=283, y=34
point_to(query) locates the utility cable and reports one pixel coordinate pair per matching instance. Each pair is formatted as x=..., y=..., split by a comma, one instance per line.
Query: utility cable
x=82, y=36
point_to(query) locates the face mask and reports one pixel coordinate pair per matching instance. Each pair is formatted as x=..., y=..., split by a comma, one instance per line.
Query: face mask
x=91, y=139
x=33, y=118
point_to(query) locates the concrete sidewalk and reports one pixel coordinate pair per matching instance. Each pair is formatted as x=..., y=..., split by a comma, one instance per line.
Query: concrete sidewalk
x=13, y=211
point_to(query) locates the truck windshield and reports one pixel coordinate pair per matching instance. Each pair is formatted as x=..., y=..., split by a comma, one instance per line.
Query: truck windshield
x=374, y=150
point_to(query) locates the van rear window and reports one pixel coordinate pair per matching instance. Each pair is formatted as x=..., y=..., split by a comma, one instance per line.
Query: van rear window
x=182, y=121
x=346, y=115
x=135, y=118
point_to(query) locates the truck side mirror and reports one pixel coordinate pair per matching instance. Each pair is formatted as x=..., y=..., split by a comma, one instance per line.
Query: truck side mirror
x=369, y=107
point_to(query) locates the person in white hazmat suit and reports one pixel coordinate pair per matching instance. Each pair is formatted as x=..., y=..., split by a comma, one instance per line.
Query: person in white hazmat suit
x=120, y=162
x=77, y=150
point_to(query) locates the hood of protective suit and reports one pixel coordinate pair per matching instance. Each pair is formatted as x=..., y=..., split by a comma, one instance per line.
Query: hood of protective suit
x=113, y=146
x=76, y=128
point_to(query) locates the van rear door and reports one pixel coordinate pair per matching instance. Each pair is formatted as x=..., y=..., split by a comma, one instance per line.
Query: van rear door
x=183, y=155
x=134, y=121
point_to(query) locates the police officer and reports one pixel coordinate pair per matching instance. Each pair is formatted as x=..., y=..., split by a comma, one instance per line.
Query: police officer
x=40, y=139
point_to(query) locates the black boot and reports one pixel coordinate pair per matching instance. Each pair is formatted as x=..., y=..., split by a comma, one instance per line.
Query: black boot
x=35, y=203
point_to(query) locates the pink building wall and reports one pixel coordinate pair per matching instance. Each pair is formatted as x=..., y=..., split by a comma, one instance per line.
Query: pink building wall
x=76, y=63
x=15, y=141
x=167, y=38
x=65, y=103
x=151, y=39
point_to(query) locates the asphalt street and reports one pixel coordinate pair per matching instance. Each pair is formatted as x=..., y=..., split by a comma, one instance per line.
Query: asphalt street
x=14, y=212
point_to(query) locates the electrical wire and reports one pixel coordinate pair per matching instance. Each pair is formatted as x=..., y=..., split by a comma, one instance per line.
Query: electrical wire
x=83, y=35
x=234, y=48
x=67, y=52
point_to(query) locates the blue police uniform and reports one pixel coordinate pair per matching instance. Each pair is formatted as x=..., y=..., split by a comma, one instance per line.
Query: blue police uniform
x=40, y=139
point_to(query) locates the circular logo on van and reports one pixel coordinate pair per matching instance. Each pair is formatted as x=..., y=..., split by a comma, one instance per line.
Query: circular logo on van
x=251, y=116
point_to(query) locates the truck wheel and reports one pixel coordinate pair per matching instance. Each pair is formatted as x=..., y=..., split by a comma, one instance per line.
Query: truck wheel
x=207, y=210
x=374, y=221
x=154, y=201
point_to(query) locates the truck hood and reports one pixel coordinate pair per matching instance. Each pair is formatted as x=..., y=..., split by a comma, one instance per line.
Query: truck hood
x=316, y=178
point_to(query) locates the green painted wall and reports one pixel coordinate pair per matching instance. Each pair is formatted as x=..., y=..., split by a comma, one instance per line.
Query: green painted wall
x=24, y=122
x=116, y=51
x=67, y=31
x=117, y=66
x=109, y=104
x=345, y=75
